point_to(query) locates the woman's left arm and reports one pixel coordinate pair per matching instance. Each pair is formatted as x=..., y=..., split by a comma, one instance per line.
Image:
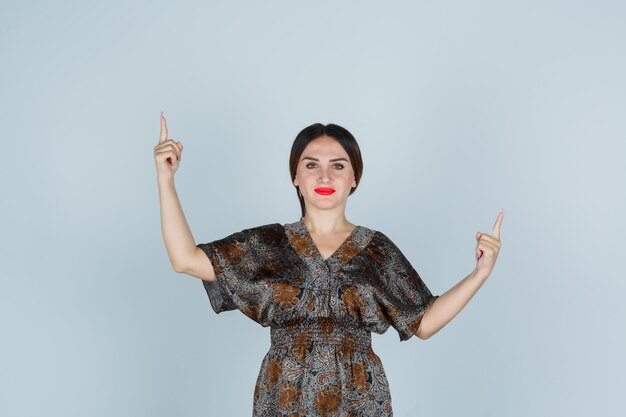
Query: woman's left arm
x=448, y=304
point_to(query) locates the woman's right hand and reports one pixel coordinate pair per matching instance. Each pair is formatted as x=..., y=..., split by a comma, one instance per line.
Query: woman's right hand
x=166, y=153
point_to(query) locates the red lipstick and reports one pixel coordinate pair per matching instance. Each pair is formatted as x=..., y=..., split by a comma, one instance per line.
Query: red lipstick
x=324, y=191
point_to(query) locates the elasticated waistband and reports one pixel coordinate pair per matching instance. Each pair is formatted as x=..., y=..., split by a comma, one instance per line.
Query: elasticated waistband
x=322, y=331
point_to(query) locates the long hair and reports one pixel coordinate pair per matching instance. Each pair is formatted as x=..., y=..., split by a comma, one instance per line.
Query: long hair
x=345, y=139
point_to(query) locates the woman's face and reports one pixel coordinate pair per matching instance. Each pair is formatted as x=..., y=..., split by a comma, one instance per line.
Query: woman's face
x=324, y=164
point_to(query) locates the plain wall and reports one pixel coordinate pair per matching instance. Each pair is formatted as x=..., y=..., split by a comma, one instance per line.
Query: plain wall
x=460, y=109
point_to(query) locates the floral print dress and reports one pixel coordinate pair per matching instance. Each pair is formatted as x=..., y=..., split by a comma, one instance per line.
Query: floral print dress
x=321, y=313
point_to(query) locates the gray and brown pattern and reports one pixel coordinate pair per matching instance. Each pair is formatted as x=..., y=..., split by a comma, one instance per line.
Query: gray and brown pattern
x=321, y=314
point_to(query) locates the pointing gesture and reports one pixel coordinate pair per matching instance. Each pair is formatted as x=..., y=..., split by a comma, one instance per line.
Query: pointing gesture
x=166, y=153
x=488, y=246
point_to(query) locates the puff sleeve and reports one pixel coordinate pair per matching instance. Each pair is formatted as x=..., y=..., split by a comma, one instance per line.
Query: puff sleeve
x=236, y=261
x=405, y=297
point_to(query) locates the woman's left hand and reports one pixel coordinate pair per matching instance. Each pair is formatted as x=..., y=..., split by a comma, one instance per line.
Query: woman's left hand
x=488, y=247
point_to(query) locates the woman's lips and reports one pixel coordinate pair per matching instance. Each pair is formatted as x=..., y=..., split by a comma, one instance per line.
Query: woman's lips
x=324, y=191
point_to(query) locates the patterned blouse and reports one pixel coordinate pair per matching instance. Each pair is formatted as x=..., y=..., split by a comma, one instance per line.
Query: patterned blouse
x=320, y=312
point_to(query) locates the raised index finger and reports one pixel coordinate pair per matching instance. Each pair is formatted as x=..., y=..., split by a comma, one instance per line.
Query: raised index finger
x=163, y=136
x=496, y=226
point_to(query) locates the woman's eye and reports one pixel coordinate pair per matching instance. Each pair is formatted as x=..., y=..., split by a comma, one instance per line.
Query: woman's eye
x=337, y=165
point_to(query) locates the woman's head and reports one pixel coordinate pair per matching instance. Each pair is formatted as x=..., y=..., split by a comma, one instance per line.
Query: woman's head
x=325, y=156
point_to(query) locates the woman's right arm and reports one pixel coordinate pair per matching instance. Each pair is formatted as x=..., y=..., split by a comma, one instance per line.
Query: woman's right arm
x=184, y=255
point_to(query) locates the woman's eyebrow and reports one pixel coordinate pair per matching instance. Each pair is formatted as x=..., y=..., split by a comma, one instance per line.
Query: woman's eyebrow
x=330, y=160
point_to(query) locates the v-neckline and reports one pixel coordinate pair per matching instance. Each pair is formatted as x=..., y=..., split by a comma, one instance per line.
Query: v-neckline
x=308, y=236
x=304, y=246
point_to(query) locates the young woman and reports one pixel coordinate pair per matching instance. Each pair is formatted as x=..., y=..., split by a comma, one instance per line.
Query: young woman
x=322, y=284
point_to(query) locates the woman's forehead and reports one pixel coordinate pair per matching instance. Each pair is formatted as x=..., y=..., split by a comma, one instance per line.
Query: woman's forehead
x=324, y=147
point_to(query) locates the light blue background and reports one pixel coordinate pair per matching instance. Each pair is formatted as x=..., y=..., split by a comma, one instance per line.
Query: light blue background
x=460, y=109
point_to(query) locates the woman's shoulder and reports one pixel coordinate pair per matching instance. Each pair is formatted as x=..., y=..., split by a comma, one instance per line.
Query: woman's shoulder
x=382, y=242
x=263, y=228
x=269, y=233
x=376, y=234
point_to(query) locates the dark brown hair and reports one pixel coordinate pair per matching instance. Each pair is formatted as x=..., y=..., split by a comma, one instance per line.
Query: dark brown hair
x=345, y=139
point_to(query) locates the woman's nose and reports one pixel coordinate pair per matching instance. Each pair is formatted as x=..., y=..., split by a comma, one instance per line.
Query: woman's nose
x=325, y=175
